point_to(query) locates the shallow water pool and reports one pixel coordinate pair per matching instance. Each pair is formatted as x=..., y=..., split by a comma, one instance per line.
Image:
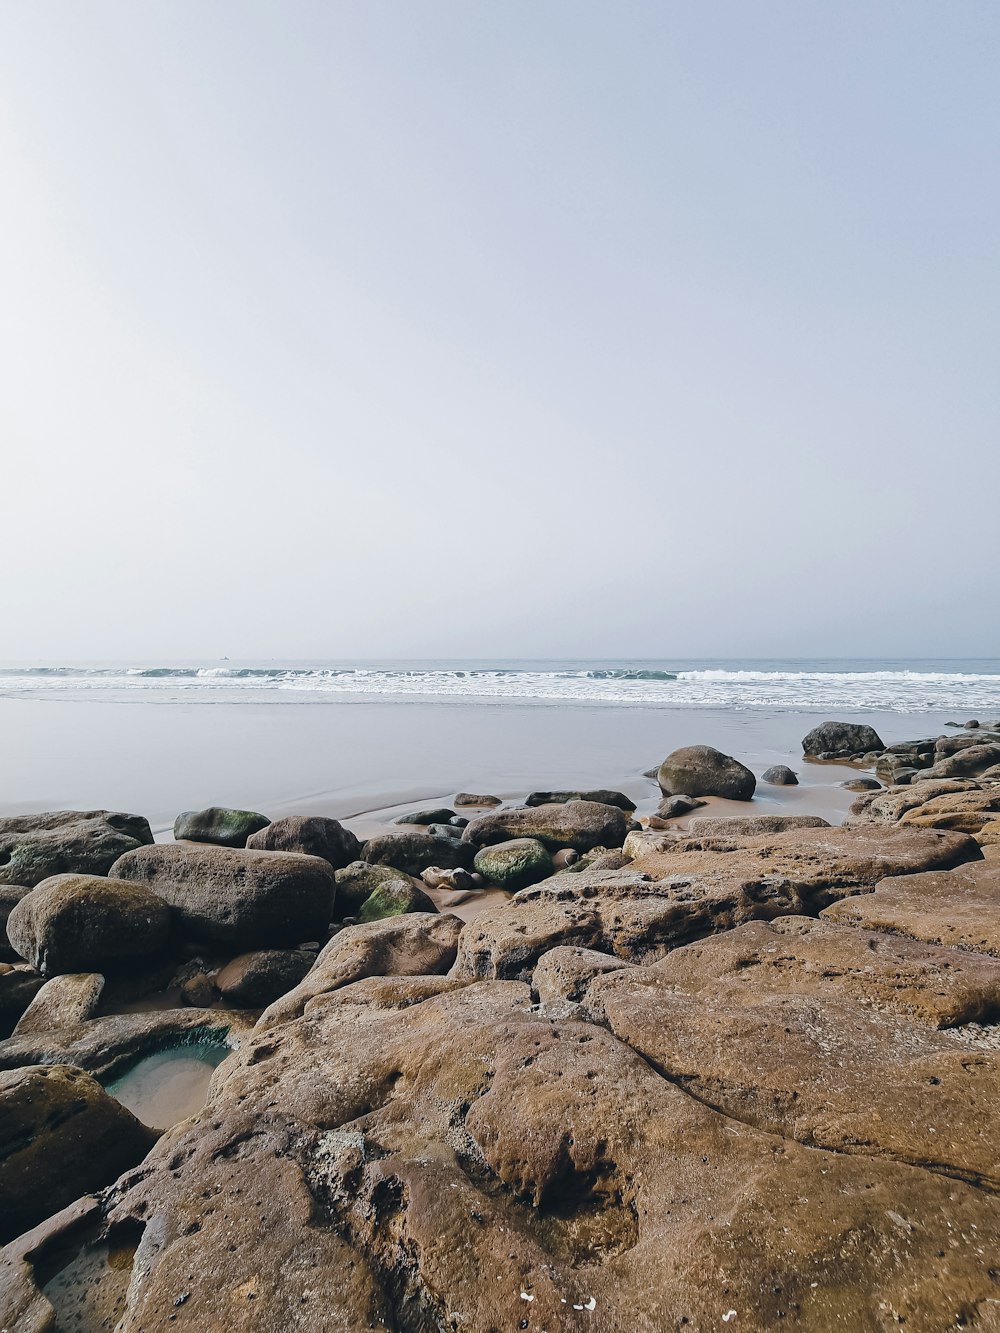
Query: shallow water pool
x=169, y=1085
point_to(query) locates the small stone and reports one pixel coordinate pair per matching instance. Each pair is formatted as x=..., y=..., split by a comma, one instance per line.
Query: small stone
x=780, y=775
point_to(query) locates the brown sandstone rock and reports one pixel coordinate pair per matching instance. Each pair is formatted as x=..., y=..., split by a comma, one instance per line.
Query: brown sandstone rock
x=701, y=770
x=313, y=835
x=962, y=806
x=580, y=825
x=255, y=980
x=10, y=895
x=63, y=1002
x=704, y=826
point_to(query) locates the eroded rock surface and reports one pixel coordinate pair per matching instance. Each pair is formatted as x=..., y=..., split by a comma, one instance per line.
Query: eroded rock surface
x=578, y=825
x=74, y=842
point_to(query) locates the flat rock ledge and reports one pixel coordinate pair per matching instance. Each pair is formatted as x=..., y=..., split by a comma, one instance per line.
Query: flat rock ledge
x=664, y=1096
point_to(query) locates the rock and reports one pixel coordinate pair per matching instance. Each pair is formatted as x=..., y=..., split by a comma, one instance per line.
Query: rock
x=312, y=835
x=414, y=852
x=220, y=825
x=458, y=821
x=9, y=895
x=450, y=831
x=563, y=975
x=516, y=864
x=957, y=907
x=967, y=763
x=199, y=990
x=61, y=1135
x=413, y=945
x=84, y=842
x=357, y=882
x=579, y=825
x=19, y=984
x=394, y=898
x=841, y=740
x=255, y=980
x=972, y=723
x=602, y=796
x=673, y=806
x=439, y=815
x=63, y=1002
x=456, y=881
x=700, y=770
x=234, y=897
x=862, y=784
x=801, y=956
x=780, y=775
x=84, y=923
x=956, y=804
x=470, y=798
x=738, y=826
x=447, y=1156
x=828, y=1073
x=564, y=859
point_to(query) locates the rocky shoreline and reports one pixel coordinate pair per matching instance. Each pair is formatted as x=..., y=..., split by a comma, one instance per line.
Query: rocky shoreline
x=680, y=1071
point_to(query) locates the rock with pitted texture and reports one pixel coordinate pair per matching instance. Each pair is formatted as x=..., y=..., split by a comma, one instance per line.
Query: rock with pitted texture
x=579, y=825
x=64, y=1001
x=220, y=825
x=841, y=740
x=312, y=835
x=234, y=897
x=516, y=864
x=19, y=984
x=738, y=826
x=960, y=805
x=469, y=798
x=701, y=770
x=75, y=842
x=85, y=923
x=61, y=1135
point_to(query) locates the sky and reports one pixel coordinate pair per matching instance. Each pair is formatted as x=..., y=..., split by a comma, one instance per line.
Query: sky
x=541, y=328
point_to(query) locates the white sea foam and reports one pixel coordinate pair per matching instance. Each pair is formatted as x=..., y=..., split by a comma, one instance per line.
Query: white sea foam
x=902, y=690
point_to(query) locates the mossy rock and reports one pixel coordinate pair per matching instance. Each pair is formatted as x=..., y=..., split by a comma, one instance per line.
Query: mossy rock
x=395, y=897
x=219, y=824
x=357, y=882
x=516, y=864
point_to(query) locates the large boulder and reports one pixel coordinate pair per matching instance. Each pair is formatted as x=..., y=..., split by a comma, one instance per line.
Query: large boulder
x=255, y=980
x=313, y=835
x=700, y=770
x=414, y=852
x=580, y=825
x=516, y=864
x=394, y=897
x=84, y=923
x=61, y=1135
x=358, y=881
x=841, y=740
x=63, y=1002
x=602, y=795
x=76, y=842
x=219, y=824
x=234, y=897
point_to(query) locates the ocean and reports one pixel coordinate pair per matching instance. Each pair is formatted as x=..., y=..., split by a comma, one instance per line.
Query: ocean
x=350, y=738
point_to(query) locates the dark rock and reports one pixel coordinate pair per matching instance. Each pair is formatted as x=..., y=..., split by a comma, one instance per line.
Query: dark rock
x=965, y=763
x=516, y=864
x=458, y=821
x=700, y=770
x=564, y=859
x=255, y=980
x=394, y=897
x=199, y=990
x=470, y=798
x=452, y=831
x=220, y=825
x=414, y=851
x=312, y=835
x=833, y=740
x=35, y=847
x=580, y=825
x=780, y=775
x=238, y=898
x=357, y=882
x=9, y=895
x=439, y=815
x=862, y=784
x=84, y=923
x=672, y=807
x=972, y=723
x=602, y=796
x=61, y=1135
x=19, y=984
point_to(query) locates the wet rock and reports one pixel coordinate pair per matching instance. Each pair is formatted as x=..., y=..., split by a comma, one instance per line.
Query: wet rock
x=255, y=980
x=738, y=826
x=439, y=815
x=841, y=740
x=312, y=835
x=84, y=842
x=357, y=882
x=957, y=907
x=61, y=1135
x=395, y=898
x=9, y=895
x=413, y=945
x=84, y=923
x=219, y=824
x=234, y=897
x=64, y=1001
x=862, y=784
x=822, y=959
x=780, y=775
x=579, y=825
x=516, y=864
x=967, y=763
x=603, y=796
x=671, y=807
x=468, y=798
x=701, y=770
x=960, y=805
x=414, y=852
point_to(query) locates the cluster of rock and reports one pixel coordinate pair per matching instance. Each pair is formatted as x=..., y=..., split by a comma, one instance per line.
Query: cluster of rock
x=739, y=1074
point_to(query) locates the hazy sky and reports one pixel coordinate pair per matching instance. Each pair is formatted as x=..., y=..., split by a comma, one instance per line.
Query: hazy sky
x=499, y=327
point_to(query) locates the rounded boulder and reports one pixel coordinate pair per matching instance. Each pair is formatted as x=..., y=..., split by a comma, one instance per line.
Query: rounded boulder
x=312, y=835
x=701, y=770
x=516, y=864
